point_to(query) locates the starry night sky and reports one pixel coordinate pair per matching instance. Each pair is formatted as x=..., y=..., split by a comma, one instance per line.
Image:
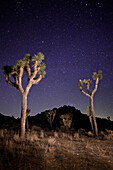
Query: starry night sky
x=76, y=37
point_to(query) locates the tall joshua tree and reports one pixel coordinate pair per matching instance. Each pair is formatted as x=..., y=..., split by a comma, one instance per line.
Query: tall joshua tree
x=96, y=77
x=34, y=76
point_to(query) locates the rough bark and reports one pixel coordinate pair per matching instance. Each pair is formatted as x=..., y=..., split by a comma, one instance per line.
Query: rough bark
x=23, y=115
x=91, y=122
x=51, y=124
x=93, y=114
x=20, y=80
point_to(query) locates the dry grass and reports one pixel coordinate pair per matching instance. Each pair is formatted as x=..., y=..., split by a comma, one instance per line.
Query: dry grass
x=55, y=150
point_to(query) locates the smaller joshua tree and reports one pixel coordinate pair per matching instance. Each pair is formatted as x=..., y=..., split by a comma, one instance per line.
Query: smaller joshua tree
x=96, y=77
x=67, y=120
x=50, y=116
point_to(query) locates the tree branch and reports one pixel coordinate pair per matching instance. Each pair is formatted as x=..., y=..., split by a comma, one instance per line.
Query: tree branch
x=35, y=71
x=16, y=79
x=20, y=80
x=84, y=92
x=96, y=86
x=37, y=80
x=88, y=88
x=31, y=81
x=10, y=82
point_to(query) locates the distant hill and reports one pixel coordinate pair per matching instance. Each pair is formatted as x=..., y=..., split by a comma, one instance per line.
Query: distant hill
x=7, y=121
x=79, y=120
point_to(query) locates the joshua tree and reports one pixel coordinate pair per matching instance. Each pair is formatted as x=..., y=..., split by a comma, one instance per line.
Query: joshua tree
x=51, y=115
x=67, y=120
x=34, y=76
x=96, y=77
x=90, y=117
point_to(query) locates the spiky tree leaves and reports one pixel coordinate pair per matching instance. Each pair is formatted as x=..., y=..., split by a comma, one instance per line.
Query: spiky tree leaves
x=87, y=81
x=96, y=77
x=39, y=57
x=21, y=63
x=27, y=57
x=42, y=66
x=42, y=73
x=80, y=83
x=35, y=73
x=14, y=69
x=8, y=72
x=100, y=76
x=8, y=69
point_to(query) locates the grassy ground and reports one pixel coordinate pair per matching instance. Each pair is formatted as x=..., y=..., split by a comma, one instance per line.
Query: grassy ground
x=55, y=152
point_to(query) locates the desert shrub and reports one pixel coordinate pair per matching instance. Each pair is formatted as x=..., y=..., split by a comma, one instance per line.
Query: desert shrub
x=101, y=135
x=34, y=137
x=64, y=135
x=16, y=137
x=58, y=129
x=41, y=134
x=36, y=128
x=76, y=135
x=56, y=134
x=63, y=128
x=82, y=131
x=51, y=141
x=90, y=134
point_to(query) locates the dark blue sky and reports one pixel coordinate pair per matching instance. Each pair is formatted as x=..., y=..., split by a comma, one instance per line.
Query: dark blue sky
x=76, y=37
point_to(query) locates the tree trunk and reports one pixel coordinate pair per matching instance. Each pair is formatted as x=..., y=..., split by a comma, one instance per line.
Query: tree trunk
x=94, y=119
x=90, y=119
x=23, y=115
x=51, y=124
x=27, y=124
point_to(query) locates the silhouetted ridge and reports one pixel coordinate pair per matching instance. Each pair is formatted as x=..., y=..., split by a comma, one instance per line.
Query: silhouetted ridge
x=79, y=120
